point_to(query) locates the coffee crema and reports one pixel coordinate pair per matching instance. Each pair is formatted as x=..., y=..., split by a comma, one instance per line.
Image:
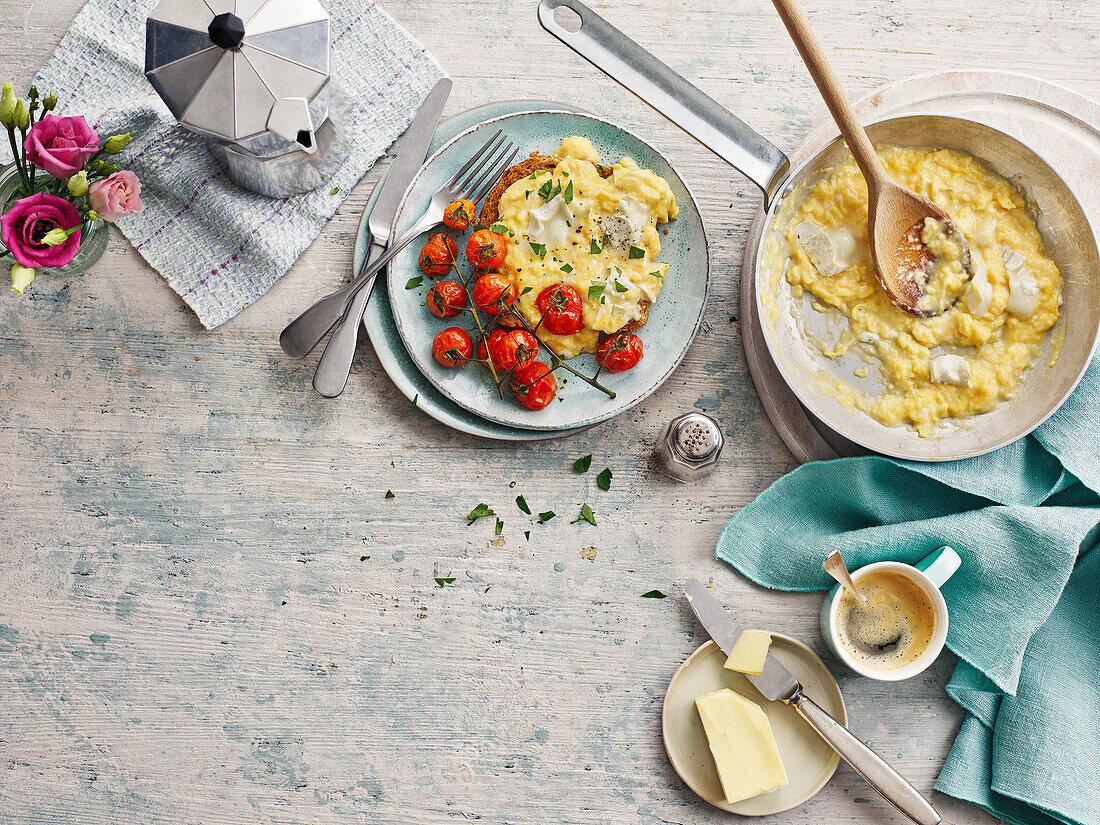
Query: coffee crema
x=895, y=626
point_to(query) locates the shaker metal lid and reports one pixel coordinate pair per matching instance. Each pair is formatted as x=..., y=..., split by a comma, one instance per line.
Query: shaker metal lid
x=696, y=437
x=220, y=65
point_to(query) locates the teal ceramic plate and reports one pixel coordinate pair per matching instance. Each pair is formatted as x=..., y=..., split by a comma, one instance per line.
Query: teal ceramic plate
x=673, y=320
x=382, y=330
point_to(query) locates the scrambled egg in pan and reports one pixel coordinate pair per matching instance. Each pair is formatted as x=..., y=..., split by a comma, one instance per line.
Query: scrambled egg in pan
x=570, y=225
x=953, y=365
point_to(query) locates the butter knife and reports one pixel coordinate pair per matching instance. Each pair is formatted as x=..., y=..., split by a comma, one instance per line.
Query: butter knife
x=776, y=683
x=308, y=330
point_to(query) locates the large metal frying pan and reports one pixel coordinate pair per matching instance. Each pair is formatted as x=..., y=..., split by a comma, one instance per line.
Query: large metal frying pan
x=1069, y=239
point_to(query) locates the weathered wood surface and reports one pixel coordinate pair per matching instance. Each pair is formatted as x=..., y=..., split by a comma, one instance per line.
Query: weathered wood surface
x=188, y=630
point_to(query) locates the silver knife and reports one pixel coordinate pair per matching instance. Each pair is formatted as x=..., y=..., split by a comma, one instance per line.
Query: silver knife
x=776, y=683
x=307, y=330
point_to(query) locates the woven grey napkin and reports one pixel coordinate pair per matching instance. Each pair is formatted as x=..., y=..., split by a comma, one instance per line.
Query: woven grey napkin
x=218, y=246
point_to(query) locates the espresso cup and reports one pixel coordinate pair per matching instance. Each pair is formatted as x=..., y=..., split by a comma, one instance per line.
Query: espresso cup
x=917, y=590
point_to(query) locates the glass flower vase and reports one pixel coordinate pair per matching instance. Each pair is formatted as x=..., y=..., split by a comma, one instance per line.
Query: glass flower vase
x=93, y=234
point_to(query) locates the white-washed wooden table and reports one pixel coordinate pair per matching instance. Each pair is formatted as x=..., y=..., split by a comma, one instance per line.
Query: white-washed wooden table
x=210, y=612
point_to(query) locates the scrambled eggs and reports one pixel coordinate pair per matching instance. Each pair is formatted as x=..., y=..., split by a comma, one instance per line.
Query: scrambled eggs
x=570, y=225
x=949, y=366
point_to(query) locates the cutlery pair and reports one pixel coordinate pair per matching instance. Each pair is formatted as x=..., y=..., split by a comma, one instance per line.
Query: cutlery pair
x=342, y=311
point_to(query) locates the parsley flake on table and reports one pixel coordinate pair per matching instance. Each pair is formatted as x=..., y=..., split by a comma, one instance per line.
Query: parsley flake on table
x=481, y=511
x=521, y=503
x=654, y=594
x=635, y=253
x=416, y=398
x=363, y=558
x=389, y=493
x=413, y=283
x=335, y=190
x=443, y=581
x=582, y=464
x=500, y=526
x=527, y=534
x=595, y=290
x=545, y=517
x=586, y=515
x=603, y=480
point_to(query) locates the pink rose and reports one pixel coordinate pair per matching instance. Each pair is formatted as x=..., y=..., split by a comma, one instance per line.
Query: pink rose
x=23, y=227
x=116, y=197
x=61, y=145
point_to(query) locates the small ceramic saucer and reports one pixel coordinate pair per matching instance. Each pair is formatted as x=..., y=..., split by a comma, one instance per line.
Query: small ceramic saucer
x=809, y=762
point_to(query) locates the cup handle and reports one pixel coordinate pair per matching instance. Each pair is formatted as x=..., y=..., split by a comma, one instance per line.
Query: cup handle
x=940, y=565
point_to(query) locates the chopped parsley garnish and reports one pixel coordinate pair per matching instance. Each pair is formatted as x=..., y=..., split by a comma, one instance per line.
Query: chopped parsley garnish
x=500, y=526
x=582, y=464
x=619, y=287
x=586, y=515
x=545, y=517
x=527, y=534
x=389, y=493
x=549, y=190
x=413, y=283
x=416, y=398
x=443, y=581
x=654, y=594
x=335, y=190
x=635, y=252
x=499, y=228
x=603, y=480
x=595, y=249
x=567, y=195
x=539, y=249
x=522, y=504
x=526, y=289
x=566, y=268
x=481, y=511
x=363, y=558
x=595, y=290
x=656, y=274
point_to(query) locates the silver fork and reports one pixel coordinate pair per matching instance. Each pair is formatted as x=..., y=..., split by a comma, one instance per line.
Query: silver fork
x=335, y=365
x=304, y=333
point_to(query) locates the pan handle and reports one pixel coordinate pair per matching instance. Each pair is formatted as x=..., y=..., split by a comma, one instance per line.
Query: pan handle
x=611, y=51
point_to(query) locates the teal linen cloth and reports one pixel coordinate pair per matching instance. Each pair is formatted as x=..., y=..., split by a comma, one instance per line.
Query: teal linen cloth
x=1025, y=606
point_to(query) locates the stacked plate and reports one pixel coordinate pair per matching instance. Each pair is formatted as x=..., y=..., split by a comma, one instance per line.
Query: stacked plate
x=401, y=329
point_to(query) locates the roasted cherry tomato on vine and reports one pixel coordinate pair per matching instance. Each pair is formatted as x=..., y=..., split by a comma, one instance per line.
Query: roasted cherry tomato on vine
x=619, y=351
x=438, y=255
x=560, y=306
x=492, y=292
x=452, y=347
x=495, y=338
x=446, y=299
x=515, y=349
x=459, y=215
x=534, y=385
x=486, y=250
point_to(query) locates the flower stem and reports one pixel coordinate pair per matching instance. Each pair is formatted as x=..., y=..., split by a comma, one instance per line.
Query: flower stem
x=18, y=163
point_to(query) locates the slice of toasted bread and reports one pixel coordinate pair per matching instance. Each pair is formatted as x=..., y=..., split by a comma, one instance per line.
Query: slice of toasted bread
x=490, y=211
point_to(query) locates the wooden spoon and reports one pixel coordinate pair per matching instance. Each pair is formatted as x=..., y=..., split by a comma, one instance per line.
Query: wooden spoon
x=834, y=565
x=896, y=215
